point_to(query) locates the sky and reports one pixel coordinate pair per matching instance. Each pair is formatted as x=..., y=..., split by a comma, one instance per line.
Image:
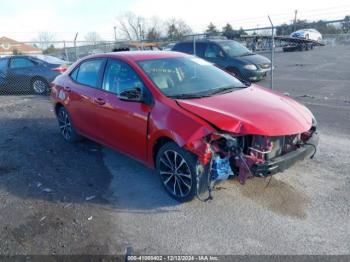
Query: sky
x=23, y=19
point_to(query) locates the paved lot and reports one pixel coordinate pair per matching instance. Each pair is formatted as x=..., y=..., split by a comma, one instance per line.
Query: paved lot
x=57, y=198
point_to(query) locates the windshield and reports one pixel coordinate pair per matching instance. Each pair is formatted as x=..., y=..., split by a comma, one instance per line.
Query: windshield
x=233, y=48
x=186, y=77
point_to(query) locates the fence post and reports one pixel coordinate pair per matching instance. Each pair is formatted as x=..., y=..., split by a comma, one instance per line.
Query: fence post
x=272, y=50
x=75, y=46
x=194, y=45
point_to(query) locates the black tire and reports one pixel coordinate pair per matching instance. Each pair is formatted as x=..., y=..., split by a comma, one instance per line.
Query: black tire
x=66, y=127
x=39, y=85
x=179, y=180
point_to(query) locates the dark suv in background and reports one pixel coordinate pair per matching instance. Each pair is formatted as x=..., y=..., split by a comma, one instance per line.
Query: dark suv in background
x=229, y=55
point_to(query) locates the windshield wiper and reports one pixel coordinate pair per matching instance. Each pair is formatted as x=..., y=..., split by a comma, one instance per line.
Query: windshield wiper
x=224, y=90
x=187, y=96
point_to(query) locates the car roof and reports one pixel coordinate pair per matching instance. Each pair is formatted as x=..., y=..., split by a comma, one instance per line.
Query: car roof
x=207, y=41
x=140, y=55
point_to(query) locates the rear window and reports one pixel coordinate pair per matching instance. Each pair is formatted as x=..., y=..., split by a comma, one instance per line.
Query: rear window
x=184, y=48
x=50, y=59
x=188, y=48
x=21, y=63
x=88, y=73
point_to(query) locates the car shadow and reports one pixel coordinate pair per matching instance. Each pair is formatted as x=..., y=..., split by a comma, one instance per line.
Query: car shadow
x=35, y=162
x=134, y=187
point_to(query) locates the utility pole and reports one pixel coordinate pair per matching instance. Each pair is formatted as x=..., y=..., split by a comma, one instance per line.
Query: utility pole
x=295, y=19
x=115, y=33
x=272, y=50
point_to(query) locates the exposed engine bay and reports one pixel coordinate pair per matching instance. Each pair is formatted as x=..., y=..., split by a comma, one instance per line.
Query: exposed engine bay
x=222, y=155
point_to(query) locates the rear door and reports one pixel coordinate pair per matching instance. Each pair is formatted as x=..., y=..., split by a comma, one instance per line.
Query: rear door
x=82, y=89
x=122, y=124
x=20, y=73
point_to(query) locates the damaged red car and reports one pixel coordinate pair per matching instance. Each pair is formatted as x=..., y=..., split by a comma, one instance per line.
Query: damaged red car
x=193, y=122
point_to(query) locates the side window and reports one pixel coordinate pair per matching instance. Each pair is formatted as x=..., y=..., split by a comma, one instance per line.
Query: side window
x=200, y=49
x=88, y=73
x=212, y=51
x=3, y=65
x=184, y=48
x=119, y=76
x=21, y=63
x=74, y=74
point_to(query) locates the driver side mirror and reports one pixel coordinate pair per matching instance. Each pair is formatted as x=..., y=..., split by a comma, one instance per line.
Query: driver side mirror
x=133, y=94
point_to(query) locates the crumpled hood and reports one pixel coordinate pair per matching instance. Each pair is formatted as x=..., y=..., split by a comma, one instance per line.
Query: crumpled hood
x=254, y=110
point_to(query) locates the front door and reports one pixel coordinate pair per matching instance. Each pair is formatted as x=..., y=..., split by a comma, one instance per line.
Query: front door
x=122, y=124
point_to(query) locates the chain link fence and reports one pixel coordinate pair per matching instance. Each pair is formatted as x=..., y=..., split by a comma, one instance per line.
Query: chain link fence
x=29, y=67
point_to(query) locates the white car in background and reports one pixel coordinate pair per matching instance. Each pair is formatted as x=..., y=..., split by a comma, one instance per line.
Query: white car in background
x=311, y=34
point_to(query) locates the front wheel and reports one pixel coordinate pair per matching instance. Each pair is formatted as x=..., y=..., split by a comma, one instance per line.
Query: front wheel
x=177, y=170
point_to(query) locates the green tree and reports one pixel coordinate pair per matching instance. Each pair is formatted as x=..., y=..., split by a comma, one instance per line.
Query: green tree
x=228, y=31
x=51, y=49
x=346, y=24
x=211, y=29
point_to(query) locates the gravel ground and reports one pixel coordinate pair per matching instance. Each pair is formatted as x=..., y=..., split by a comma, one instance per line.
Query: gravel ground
x=58, y=198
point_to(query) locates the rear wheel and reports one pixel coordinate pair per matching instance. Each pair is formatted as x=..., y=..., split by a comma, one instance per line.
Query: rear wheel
x=66, y=127
x=177, y=171
x=39, y=85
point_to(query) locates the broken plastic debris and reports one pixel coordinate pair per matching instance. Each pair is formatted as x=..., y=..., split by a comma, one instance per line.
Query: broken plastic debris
x=39, y=184
x=47, y=190
x=221, y=168
x=89, y=198
x=42, y=219
x=90, y=218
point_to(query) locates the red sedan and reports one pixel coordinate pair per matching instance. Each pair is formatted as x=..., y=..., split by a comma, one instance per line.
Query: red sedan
x=193, y=122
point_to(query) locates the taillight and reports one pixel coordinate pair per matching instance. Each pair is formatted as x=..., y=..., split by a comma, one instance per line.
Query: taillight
x=60, y=69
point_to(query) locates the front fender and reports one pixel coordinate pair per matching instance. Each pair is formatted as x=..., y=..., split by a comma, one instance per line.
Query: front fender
x=176, y=124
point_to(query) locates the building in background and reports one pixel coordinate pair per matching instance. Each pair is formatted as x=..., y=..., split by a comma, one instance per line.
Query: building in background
x=9, y=46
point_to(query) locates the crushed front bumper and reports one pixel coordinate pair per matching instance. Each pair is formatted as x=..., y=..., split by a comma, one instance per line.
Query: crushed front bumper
x=281, y=163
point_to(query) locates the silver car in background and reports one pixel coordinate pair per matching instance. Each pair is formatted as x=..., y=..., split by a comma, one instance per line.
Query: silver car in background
x=311, y=34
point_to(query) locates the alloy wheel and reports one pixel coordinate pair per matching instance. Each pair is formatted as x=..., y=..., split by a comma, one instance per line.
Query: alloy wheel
x=175, y=173
x=64, y=124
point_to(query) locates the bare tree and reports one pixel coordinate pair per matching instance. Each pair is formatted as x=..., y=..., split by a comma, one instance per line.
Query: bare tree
x=45, y=39
x=93, y=38
x=177, y=29
x=132, y=26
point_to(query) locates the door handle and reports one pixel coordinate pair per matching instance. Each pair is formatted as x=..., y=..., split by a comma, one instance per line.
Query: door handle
x=67, y=89
x=99, y=101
